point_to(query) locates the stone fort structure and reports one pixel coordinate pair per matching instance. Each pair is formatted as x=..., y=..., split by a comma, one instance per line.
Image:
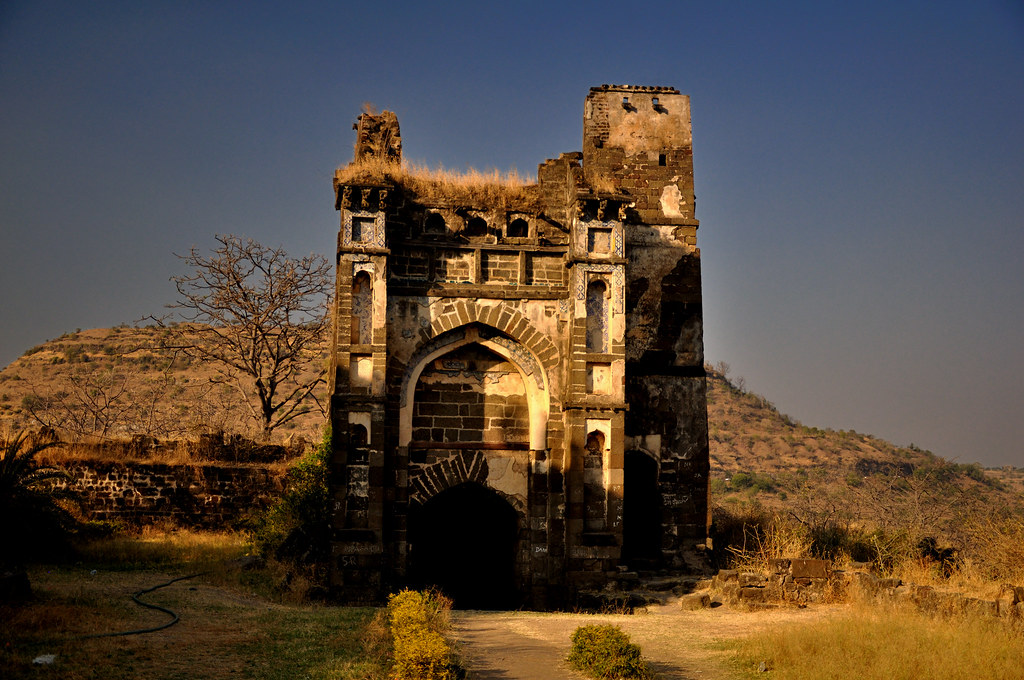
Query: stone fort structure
x=517, y=386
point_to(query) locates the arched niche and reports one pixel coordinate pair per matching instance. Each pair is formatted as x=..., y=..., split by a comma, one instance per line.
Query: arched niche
x=476, y=227
x=597, y=317
x=362, y=309
x=434, y=224
x=518, y=228
x=530, y=369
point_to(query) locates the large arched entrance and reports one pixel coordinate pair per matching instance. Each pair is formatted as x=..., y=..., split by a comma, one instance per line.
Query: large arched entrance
x=463, y=541
x=641, y=510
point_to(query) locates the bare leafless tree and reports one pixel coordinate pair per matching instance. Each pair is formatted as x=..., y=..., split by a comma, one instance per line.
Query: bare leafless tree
x=260, y=317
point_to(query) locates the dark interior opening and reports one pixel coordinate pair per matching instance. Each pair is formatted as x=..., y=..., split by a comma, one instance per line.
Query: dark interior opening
x=641, y=511
x=463, y=541
x=476, y=227
x=518, y=228
x=434, y=224
x=358, y=446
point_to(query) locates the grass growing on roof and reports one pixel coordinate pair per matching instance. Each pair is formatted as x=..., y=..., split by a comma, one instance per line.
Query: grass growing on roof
x=508, y=190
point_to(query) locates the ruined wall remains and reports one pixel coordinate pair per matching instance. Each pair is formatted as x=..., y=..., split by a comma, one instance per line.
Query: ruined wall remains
x=208, y=496
x=518, y=395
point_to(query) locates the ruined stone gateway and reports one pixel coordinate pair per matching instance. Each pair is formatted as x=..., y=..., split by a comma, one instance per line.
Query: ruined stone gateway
x=518, y=391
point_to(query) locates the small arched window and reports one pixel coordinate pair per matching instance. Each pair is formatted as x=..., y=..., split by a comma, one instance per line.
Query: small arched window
x=594, y=498
x=476, y=227
x=434, y=224
x=357, y=437
x=597, y=317
x=518, y=228
x=362, y=309
x=358, y=441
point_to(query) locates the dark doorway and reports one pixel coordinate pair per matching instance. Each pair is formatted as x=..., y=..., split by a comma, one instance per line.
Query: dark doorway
x=463, y=541
x=641, y=508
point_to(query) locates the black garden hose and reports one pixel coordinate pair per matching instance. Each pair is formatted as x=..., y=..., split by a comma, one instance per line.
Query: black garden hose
x=135, y=598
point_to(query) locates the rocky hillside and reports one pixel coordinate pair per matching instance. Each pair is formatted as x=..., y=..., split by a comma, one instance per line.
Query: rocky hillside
x=761, y=458
x=124, y=381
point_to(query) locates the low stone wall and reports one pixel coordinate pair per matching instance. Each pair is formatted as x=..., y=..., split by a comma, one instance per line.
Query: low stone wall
x=206, y=496
x=799, y=581
x=1009, y=603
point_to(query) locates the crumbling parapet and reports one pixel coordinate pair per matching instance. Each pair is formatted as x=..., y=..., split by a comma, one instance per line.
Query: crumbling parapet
x=378, y=137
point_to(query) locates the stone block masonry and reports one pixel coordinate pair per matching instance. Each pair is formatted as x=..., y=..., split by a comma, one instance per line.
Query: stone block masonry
x=207, y=496
x=518, y=396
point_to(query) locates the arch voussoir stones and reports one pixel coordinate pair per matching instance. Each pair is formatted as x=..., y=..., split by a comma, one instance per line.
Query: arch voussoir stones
x=506, y=320
x=465, y=466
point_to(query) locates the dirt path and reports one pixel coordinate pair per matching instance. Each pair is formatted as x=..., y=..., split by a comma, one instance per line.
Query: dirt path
x=679, y=644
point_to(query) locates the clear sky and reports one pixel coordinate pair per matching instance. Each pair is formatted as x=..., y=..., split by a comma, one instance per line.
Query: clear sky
x=859, y=168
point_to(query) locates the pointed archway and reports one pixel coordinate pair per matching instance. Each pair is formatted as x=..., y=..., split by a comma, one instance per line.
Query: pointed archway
x=463, y=542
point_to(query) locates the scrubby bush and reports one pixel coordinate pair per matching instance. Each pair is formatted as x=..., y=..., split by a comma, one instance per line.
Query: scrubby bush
x=606, y=652
x=419, y=622
x=752, y=480
x=296, y=529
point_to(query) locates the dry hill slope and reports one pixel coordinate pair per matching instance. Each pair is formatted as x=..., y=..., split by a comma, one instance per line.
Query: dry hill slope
x=124, y=381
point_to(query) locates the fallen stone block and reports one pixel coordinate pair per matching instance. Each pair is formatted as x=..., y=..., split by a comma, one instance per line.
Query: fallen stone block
x=809, y=568
x=753, y=594
x=695, y=601
x=974, y=605
x=726, y=575
x=748, y=578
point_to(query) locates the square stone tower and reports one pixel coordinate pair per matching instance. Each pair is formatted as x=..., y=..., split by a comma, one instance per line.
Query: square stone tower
x=518, y=392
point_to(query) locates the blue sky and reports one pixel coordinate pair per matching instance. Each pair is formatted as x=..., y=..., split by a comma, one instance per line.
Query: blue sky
x=859, y=168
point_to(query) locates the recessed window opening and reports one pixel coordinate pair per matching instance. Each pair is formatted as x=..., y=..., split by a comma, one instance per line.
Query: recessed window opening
x=594, y=501
x=362, y=309
x=362, y=229
x=654, y=101
x=434, y=224
x=358, y=437
x=597, y=317
x=599, y=240
x=476, y=227
x=662, y=159
x=518, y=228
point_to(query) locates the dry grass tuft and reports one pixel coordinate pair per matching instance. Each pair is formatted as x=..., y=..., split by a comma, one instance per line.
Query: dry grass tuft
x=492, y=189
x=887, y=644
x=159, y=546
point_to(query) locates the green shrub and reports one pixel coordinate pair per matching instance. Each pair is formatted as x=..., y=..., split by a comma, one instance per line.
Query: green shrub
x=418, y=623
x=296, y=529
x=752, y=480
x=606, y=652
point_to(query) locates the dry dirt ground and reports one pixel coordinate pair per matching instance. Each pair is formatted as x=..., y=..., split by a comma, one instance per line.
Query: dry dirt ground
x=680, y=645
